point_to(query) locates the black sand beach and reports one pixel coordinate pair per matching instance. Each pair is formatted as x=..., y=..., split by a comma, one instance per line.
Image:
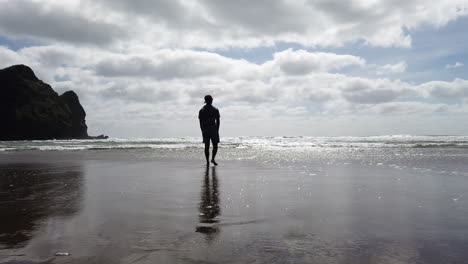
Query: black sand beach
x=146, y=206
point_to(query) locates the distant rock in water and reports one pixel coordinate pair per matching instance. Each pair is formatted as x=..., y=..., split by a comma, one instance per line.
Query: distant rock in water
x=31, y=110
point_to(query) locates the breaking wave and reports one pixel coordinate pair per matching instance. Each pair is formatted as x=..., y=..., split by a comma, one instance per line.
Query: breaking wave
x=285, y=142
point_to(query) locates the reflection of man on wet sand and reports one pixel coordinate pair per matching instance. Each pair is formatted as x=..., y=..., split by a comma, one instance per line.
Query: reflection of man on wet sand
x=209, y=125
x=209, y=209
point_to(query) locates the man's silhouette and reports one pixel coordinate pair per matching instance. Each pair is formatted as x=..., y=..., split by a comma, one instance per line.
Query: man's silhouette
x=209, y=125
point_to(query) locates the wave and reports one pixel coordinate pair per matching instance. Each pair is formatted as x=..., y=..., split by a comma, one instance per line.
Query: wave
x=240, y=143
x=442, y=145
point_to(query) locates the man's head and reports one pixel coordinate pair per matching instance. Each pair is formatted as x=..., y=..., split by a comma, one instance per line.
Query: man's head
x=208, y=99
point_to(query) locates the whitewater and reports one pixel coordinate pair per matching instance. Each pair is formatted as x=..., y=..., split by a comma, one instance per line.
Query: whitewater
x=259, y=143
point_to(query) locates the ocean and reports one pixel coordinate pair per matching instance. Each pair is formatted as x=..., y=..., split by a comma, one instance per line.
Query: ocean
x=261, y=143
x=440, y=153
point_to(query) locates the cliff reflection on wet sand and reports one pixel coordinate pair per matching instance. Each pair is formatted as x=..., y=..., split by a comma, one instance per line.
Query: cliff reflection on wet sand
x=209, y=208
x=31, y=193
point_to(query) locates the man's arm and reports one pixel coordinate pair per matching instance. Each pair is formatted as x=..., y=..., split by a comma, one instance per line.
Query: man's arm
x=217, y=120
x=199, y=119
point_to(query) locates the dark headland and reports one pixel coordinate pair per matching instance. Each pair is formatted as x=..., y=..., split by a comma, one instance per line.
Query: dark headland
x=31, y=110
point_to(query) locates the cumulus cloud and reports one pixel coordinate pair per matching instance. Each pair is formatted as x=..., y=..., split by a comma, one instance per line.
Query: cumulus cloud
x=392, y=68
x=406, y=108
x=457, y=89
x=9, y=57
x=50, y=21
x=455, y=65
x=173, y=64
x=302, y=62
x=169, y=64
x=368, y=91
x=333, y=22
x=221, y=23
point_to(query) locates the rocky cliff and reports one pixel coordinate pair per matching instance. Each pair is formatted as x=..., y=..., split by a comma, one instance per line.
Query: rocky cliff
x=31, y=110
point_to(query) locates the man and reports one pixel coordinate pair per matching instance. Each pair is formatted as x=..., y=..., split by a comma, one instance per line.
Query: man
x=209, y=125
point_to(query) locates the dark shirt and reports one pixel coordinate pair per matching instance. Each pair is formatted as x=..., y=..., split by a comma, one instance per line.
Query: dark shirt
x=207, y=115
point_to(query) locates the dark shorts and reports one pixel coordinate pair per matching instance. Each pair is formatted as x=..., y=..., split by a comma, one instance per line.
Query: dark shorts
x=210, y=134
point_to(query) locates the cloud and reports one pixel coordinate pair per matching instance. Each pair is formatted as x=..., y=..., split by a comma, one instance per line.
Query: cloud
x=212, y=24
x=167, y=64
x=302, y=62
x=173, y=14
x=392, y=68
x=453, y=66
x=332, y=22
x=245, y=15
x=8, y=57
x=46, y=20
x=139, y=92
x=407, y=108
x=454, y=90
x=367, y=91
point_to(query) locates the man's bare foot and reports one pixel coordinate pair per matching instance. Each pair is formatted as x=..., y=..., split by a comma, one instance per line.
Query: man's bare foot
x=214, y=162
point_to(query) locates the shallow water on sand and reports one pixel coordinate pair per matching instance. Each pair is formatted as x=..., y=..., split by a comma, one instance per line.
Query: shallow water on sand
x=278, y=206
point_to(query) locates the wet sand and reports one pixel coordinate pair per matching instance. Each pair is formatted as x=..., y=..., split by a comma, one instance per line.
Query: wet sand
x=123, y=207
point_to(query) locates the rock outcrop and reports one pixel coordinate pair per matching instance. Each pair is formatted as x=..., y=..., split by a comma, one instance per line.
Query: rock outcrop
x=32, y=110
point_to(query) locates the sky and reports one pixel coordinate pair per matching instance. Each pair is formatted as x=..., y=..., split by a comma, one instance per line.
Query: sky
x=274, y=67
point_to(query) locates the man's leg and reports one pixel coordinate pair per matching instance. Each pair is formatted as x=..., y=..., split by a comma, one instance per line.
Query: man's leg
x=207, y=151
x=215, y=150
